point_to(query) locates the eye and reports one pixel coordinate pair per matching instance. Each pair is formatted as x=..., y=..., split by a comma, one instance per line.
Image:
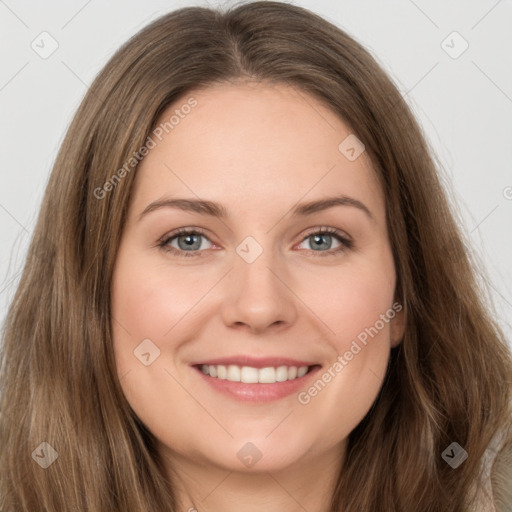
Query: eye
x=188, y=242
x=322, y=239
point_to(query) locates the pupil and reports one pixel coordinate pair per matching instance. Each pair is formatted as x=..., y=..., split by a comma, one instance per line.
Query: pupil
x=318, y=238
x=188, y=241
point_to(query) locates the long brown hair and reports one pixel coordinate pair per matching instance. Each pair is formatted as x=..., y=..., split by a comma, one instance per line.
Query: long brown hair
x=448, y=381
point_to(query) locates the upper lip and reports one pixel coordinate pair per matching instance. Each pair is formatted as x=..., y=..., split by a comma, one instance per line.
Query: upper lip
x=254, y=362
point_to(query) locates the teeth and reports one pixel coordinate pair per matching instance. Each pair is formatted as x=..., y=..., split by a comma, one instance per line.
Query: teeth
x=282, y=374
x=233, y=373
x=302, y=371
x=267, y=375
x=250, y=375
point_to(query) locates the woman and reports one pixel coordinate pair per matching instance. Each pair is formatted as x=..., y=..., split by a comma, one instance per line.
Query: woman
x=177, y=341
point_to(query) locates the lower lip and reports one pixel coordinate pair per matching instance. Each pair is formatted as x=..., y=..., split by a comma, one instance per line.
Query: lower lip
x=258, y=392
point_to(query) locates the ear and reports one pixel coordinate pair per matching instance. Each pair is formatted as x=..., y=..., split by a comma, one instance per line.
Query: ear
x=397, y=325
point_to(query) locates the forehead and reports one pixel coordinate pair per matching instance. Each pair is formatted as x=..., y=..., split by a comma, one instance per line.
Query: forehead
x=251, y=145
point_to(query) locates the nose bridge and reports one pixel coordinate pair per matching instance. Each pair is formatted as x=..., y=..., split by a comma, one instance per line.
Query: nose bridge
x=258, y=296
x=255, y=269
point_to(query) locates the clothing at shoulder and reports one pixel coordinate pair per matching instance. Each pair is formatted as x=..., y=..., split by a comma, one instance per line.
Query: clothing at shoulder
x=495, y=486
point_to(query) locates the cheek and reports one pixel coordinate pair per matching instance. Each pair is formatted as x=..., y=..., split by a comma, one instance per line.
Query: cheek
x=146, y=304
x=353, y=298
x=358, y=310
x=148, y=300
x=362, y=312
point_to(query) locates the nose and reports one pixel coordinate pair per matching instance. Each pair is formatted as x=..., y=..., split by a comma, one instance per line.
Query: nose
x=257, y=296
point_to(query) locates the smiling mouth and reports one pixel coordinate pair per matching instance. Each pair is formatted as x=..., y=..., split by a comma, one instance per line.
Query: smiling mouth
x=252, y=375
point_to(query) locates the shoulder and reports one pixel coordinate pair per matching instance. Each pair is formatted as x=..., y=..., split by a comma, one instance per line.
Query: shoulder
x=494, y=491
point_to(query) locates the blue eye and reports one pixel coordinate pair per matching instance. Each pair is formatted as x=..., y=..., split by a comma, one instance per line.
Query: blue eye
x=318, y=240
x=189, y=242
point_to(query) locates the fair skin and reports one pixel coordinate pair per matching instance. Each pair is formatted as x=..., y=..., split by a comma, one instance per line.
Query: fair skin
x=258, y=150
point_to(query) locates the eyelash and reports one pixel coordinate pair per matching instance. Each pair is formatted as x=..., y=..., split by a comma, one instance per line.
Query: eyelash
x=345, y=242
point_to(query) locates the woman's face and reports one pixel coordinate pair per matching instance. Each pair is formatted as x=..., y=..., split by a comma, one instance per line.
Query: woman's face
x=257, y=293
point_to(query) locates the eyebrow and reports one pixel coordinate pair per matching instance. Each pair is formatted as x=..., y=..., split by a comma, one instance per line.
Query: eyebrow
x=211, y=208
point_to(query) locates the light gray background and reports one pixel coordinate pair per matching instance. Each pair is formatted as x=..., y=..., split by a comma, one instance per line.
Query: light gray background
x=464, y=104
